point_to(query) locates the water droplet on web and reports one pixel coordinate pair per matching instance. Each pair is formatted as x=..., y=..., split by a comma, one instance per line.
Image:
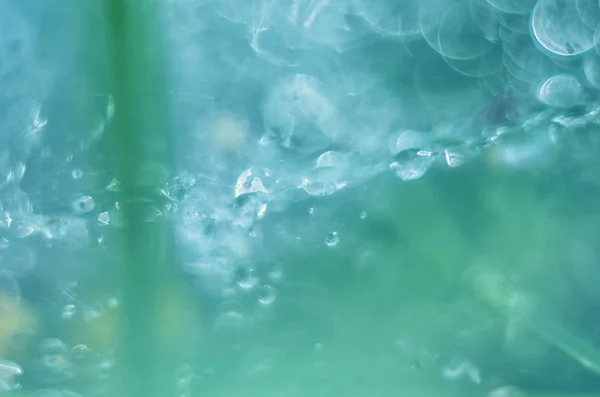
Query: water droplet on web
x=23, y=228
x=5, y=220
x=332, y=239
x=266, y=295
x=558, y=27
x=68, y=311
x=363, y=215
x=561, y=91
x=454, y=159
x=10, y=372
x=104, y=218
x=407, y=140
x=79, y=351
x=77, y=173
x=412, y=164
x=84, y=204
x=253, y=181
x=246, y=279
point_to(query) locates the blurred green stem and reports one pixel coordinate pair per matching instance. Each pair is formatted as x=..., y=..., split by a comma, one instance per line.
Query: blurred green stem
x=140, y=136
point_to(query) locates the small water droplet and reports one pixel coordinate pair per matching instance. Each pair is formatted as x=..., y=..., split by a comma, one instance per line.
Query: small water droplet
x=84, y=204
x=23, y=229
x=79, y=351
x=246, y=279
x=104, y=218
x=267, y=295
x=311, y=210
x=68, y=311
x=363, y=215
x=77, y=173
x=454, y=159
x=332, y=239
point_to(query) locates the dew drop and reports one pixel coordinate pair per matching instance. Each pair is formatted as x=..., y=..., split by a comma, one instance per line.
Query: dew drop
x=363, y=215
x=104, y=218
x=84, y=204
x=23, y=229
x=267, y=295
x=9, y=375
x=332, y=239
x=77, y=173
x=68, y=311
x=79, y=351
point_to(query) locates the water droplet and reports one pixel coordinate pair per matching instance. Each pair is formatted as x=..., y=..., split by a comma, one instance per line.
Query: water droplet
x=84, y=204
x=454, y=159
x=4, y=243
x=407, y=140
x=332, y=239
x=5, y=220
x=104, y=218
x=246, y=279
x=9, y=375
x=23, y=228
x=230, y=319
x=557, y=26
x=363, y=215
x=68, y=311
x=267, y=295
x=254, y=181
x=412, y=164
x=561, y=91
x=77, y=173
x=458, y=370
x=79, y=351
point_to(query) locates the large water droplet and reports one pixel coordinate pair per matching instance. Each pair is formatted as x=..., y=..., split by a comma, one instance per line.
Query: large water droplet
x=557, y=26
x=10, y=372
x=562, y=91
x=412, y=164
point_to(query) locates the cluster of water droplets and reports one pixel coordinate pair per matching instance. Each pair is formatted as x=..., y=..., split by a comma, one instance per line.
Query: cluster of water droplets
x=280, y=102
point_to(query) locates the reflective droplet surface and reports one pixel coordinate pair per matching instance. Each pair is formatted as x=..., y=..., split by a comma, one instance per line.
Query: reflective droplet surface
x=332, y=239
x=557, y=26
x=104, y=218
x=68, y=311
x=561, y=91
x=84, y=204
x=266, y=295
x=10, y=372
x=412, y=164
